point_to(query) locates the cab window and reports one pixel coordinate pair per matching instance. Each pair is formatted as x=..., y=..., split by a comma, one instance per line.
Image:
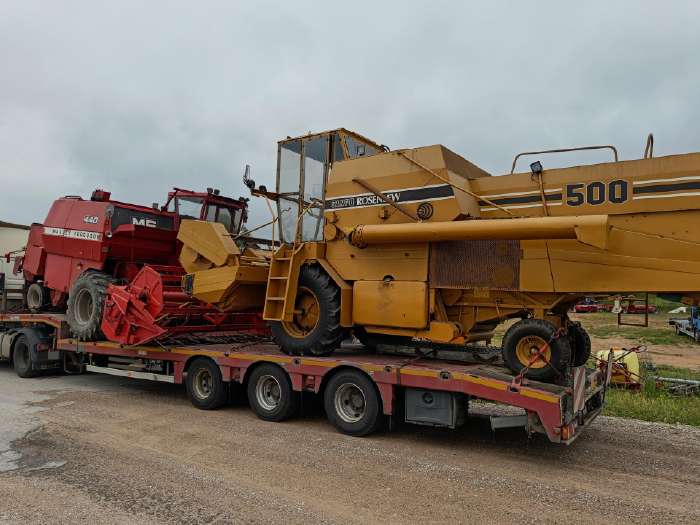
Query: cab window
x=230, y=218
x=189, y=207
x=288, y=186
x=357, y=148
x=315, y=157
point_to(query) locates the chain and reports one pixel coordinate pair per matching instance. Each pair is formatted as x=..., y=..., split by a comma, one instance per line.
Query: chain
x=540, y=354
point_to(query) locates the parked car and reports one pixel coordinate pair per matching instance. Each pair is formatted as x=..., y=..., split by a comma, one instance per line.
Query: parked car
x=591, y=305
x=634, y=305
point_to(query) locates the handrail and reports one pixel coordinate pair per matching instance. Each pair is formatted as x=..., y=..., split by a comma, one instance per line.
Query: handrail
x=649, y=149
x=366, y=185
x=562, y=150
x=315, y=203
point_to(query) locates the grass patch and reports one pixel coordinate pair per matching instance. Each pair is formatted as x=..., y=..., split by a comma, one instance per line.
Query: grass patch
x=649, y=335
x=655, y=404
x=664, y=305
x=680, y=373
x=659, y=332
x=659, y=407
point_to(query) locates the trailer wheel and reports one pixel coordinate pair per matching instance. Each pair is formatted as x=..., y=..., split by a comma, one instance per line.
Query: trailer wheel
x=525, y=338
x=315, y=328
x=205, y=387
x=352, y=403
x=22, y=358
x=37, y=297
x=271, y=395
x=581, y=344
x=86, y=301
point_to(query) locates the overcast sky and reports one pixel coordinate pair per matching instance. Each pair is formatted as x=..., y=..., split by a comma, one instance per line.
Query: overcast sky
x=142, y=96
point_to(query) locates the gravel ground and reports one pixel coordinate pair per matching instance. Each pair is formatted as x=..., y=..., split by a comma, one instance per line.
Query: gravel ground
x=109, y=450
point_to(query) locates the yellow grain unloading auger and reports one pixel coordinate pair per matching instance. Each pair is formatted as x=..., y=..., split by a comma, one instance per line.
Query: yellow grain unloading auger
x=422, y=246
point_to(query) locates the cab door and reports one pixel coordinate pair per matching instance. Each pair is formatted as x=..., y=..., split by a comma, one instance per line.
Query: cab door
x=301, y=181
x=314, y=171
x=288, y=188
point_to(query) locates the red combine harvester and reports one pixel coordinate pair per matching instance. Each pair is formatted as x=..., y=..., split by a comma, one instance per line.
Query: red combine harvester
x=113, y=267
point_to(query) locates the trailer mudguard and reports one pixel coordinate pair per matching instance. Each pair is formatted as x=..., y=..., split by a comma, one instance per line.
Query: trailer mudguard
x=7, y=340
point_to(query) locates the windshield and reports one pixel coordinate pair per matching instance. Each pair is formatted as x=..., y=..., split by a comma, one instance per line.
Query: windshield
x=229, y=217
x=189, y=207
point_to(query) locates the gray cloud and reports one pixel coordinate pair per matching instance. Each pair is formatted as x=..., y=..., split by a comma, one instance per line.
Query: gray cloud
x=141, y=96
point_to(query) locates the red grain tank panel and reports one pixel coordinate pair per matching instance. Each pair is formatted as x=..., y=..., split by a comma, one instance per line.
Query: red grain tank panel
x=76, y=228
x=132, y=243
x=34, y=255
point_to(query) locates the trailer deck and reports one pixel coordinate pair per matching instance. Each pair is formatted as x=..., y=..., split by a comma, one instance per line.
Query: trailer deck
x=421, y=390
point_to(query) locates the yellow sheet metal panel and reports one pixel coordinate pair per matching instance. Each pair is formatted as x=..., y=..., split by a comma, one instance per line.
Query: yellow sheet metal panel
x=209, y=240
x=397, y=178
x=657, y=184
x=211, y=285
x=408, y=262
x=401, y=304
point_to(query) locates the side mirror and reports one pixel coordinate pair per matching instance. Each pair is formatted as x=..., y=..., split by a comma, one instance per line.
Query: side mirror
x=250, y=183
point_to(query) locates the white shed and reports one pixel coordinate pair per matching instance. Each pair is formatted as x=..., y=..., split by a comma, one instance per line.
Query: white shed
x=13, y=237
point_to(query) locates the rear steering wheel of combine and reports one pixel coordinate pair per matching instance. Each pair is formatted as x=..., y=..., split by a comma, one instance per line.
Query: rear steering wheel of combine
x=86, y=301
x=205, y=387
x=581, y=343
x=315, y=327
x=524, y=340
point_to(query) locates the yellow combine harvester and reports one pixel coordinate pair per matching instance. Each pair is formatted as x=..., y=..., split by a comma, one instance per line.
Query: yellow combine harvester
x=420, y=246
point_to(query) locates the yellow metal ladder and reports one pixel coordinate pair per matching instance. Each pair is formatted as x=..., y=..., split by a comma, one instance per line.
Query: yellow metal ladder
x=278, y=280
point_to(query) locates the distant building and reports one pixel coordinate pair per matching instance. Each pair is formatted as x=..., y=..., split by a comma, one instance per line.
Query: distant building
x=12, y=237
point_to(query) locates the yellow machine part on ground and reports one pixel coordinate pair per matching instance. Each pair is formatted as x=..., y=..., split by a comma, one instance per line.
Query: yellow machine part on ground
x=629, y=364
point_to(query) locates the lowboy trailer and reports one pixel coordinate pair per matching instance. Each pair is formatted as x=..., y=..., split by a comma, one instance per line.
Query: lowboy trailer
x=361, y=390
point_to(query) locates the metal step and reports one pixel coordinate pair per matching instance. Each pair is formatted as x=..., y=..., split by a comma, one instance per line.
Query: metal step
x=130, y=373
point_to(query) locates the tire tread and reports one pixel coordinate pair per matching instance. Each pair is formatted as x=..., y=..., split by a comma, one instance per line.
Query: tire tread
x=99, y=281
x=560, y=359
x=332, y=333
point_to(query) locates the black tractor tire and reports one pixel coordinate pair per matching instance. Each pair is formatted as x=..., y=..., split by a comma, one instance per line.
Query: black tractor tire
x=327, y=334
x=37, y=297
x=205, y=386
x=22, y=358
x=539, y=331
x=270, y=393
x=86, y=301
x=353, y=404
x=581, y=343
